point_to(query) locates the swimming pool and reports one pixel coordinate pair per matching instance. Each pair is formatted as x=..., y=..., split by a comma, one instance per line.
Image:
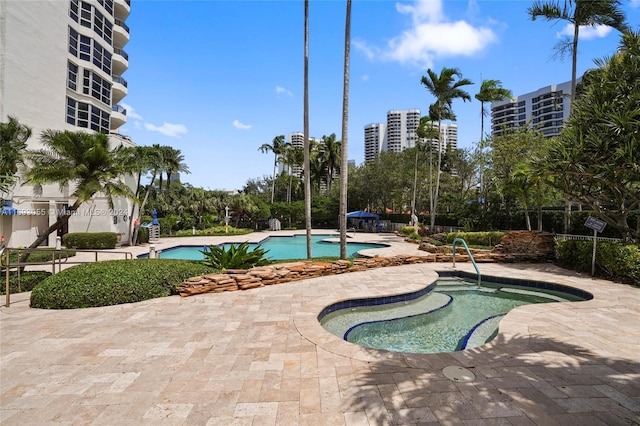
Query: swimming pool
x=452, y=314
x=280, y=248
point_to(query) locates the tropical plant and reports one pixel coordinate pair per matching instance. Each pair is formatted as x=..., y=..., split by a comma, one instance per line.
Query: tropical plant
x=579, y=13
x=445, y=88
x=173, y=162
x=79, y=160
x=277, y=147
x=13, y=142
x=596, y=159
x=236, y=256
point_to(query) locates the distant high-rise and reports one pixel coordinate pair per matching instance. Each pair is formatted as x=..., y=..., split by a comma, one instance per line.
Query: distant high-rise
x=545, y=109
x=399, y=133
x=61, y=66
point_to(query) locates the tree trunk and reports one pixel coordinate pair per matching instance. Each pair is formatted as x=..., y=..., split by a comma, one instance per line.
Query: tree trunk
x=344, y=169
x=307, y=161
x=437, y=188
x=62, y=220
x=144, y=202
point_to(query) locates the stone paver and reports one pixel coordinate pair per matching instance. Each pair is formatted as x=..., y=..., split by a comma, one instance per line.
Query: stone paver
x=260, y=357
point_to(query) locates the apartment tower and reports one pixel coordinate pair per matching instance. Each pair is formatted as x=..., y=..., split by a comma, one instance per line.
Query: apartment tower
x=61, y=67
x=545, y=109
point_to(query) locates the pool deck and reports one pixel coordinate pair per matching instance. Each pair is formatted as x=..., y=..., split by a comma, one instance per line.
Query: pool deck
x=259, y=357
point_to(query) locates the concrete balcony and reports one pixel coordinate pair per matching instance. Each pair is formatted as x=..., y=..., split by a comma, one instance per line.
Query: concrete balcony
x=122, y=8
x=120, y=33
x=119, y=89
x=119, y=61
x=118, y=117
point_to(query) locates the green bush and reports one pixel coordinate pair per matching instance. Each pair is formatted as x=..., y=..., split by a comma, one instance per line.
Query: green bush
x=28, y=280
x=476, y=238
x=215, y=231
x=143, y=235
x=114, y=282
x=407, y=230
x=237, y=256
x=617, y=261
x=90, y=240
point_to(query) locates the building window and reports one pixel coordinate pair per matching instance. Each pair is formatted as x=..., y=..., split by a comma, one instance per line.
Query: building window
x=85, y=115
x=73, y=42
x=72, y=75
x=96, y=87
x=108, y=6
x=87, y=49
x=84, y=50
x=73, y=10
x=85, y=15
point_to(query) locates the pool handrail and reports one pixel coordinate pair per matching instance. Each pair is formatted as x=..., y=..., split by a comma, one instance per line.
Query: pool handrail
x=466, y=247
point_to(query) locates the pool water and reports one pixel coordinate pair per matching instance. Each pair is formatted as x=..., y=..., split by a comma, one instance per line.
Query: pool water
x=280, y=248
x=455, y=315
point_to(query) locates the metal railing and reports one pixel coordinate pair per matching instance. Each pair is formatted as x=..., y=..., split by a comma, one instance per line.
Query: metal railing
x=566, y=237
x=119, y=79
x=119, y=108
x=120, y=23
x=121, y=52
x=466, y=247
x=58, y=257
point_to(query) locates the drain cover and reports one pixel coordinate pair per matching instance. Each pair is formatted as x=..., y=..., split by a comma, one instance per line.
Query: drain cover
x=458, y=374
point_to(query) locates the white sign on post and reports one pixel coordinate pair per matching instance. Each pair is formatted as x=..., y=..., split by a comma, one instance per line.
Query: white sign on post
x=598, y=226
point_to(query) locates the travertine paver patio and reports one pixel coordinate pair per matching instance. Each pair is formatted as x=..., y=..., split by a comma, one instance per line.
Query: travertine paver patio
x=260, y=357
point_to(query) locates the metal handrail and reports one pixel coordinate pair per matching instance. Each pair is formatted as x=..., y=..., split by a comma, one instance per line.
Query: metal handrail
x=7, y=265
x=466, y=247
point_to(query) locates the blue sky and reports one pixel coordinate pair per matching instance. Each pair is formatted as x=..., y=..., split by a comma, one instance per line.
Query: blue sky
x=217, y=79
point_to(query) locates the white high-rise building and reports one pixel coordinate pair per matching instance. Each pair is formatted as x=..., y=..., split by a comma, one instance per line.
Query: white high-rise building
x=295, y=139
x=61, y=66
x=546, y=109
x=401, y=130
x=374, y=139
x=399, y=133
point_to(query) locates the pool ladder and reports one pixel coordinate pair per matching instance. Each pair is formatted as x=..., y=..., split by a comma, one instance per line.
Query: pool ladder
x=466, y=247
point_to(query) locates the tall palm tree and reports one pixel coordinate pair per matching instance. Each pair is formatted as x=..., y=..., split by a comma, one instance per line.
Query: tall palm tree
x=307, y=148
x=173, y=163
x=79, y=160
x=291, y=156
x=445, y=88
x=13, y=142
x=490, y=91
x=579, y=13
x=426, y=132
x=277, y=147
x=331, y=157
x=344, y=168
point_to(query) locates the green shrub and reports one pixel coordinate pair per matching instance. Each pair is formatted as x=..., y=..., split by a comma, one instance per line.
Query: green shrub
x=90, y=240
x=476, y=238
x=28, y=280
x=143, y=235
x=237, y=256
x=215, y=231
x=617, y=261
x=114, y=282
x=407, y=230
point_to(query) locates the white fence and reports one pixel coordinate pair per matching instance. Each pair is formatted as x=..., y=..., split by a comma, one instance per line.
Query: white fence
x=566, y=237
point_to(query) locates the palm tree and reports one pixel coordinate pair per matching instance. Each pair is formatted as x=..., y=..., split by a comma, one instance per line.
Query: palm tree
x=445, y=88
x=490, y=91
x=426, y=132
x=344, y=168
x=579, y=13
x=13, y=142
x=307, y=171
x=331, y=157
x=77, y=160
x=173, y=163
x=291, y=156
x=277, y=147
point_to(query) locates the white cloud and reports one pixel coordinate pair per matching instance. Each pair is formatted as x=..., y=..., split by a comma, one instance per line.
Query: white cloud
x=167, y=129
x=238, y=125
x=365, y=77
x=635, y=3
x=586, y=32
x=281, y=90
x=131, y=113
x=431, y=35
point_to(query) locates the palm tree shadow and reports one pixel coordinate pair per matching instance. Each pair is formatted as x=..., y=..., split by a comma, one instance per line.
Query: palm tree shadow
x=543, y=379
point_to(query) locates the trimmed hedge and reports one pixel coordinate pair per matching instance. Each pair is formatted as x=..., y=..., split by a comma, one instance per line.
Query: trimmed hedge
x=114, y=282
x=617, y=261
x=28, y=280
x=476, y=238
x=90, y=240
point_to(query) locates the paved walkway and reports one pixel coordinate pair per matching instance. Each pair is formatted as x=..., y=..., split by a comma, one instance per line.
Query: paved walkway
x=259, y=357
